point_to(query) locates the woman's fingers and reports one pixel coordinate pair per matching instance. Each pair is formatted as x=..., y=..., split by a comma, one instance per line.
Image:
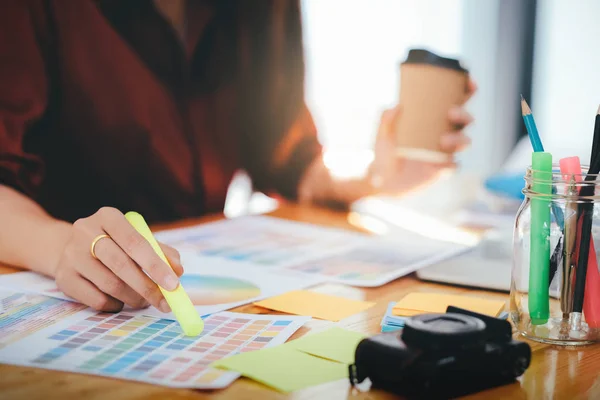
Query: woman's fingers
x=112, y=285
x=387, y=122
x=137, y=248
x=454, y=142
x=75, y=286
x=459, y=117
x=115, y=271
x=471, y=88
x=124, y=270
x=174, y=258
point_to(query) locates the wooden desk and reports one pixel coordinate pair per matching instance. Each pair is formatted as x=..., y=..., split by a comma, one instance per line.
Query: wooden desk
x=554, y=373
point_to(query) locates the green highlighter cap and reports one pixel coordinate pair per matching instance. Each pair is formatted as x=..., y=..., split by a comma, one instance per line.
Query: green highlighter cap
x=539, y=267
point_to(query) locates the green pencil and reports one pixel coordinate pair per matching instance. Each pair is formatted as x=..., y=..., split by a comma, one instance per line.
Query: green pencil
x=539, y=256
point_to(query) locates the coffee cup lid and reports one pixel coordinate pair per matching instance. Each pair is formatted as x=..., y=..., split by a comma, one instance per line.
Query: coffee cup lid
x=422, y=56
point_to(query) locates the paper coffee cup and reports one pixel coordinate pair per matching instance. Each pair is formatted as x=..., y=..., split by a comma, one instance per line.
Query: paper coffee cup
x=430, y=86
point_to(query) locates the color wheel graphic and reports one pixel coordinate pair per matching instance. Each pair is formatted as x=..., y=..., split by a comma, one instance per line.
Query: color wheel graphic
x=209, y=290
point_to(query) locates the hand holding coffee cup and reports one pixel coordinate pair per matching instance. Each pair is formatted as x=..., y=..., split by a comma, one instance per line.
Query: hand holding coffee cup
x=403, y=161
x=431, y=87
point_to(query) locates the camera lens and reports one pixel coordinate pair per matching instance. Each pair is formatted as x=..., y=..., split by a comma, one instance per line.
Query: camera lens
x=442, y=330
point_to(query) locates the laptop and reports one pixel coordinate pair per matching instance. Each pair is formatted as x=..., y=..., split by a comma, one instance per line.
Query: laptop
x=488, y=265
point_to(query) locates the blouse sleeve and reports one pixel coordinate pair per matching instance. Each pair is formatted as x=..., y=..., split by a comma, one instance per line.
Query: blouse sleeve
x=23, y=91
x=294, y=153
x=281, y=139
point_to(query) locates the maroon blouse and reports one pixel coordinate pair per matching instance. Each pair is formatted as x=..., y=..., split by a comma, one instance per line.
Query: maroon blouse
x=101, y=104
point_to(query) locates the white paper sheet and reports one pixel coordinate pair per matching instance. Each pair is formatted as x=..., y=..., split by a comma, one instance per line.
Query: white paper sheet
x=213, y=285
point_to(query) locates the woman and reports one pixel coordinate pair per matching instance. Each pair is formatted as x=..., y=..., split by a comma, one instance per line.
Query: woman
x=110, y=105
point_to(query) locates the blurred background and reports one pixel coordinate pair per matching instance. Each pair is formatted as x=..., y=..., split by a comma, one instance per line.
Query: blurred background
x=544, y=50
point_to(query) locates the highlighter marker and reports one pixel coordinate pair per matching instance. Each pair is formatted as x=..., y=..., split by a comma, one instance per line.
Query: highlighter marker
x=538, y=147
x=539, y=257
x=178, y=300
x=571, y=167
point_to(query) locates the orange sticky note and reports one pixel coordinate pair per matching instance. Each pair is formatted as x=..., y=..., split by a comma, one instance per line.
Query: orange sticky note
x=422, y=303
x=323, y=306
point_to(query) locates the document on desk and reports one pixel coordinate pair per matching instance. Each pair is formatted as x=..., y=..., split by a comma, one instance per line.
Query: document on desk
x=213, y=284
x=43, y=332
x=332, y=254
x=259, y=240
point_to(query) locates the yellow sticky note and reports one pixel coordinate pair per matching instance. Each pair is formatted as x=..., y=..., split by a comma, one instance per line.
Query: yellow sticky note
x=284, y=368
x=323, y=306
x=403, y=312
x=178, y=300
x=334, y=344
x=420, y=303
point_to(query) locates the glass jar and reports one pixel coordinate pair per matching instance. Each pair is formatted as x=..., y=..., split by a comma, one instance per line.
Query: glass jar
x=550, y=301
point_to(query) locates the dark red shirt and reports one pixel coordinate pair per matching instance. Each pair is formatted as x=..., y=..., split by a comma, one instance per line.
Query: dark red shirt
x=101, y=104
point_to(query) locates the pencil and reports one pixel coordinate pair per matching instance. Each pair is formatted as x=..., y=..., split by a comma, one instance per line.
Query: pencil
x=531, y=127
x=537, y=145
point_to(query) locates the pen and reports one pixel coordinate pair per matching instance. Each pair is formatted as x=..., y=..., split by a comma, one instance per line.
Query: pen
x=539, y=257
x=585, y=216
x=178, y=300
x=586, y=210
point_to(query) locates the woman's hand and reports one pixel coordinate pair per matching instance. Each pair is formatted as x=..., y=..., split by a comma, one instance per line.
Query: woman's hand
x=390, y=174
x=118, y=275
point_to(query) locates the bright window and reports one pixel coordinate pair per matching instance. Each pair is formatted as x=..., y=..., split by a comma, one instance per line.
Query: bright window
x=353, y=49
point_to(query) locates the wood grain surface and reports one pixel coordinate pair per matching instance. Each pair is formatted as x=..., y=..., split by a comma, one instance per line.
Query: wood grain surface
x=555, y=372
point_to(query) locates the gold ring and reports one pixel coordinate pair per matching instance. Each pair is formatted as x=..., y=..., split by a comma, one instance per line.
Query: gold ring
x=96, y=240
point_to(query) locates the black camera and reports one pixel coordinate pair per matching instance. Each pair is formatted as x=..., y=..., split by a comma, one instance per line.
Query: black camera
x=442, y=356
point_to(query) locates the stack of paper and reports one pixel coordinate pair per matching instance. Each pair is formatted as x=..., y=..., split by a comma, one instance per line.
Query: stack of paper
x=391, y=323
x=421, y=303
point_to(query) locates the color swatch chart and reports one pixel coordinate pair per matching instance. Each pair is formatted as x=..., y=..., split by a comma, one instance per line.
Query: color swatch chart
x=265, y=241
x=145, y=348
x=22, y=314
x=324, y=253
x=374, y=262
